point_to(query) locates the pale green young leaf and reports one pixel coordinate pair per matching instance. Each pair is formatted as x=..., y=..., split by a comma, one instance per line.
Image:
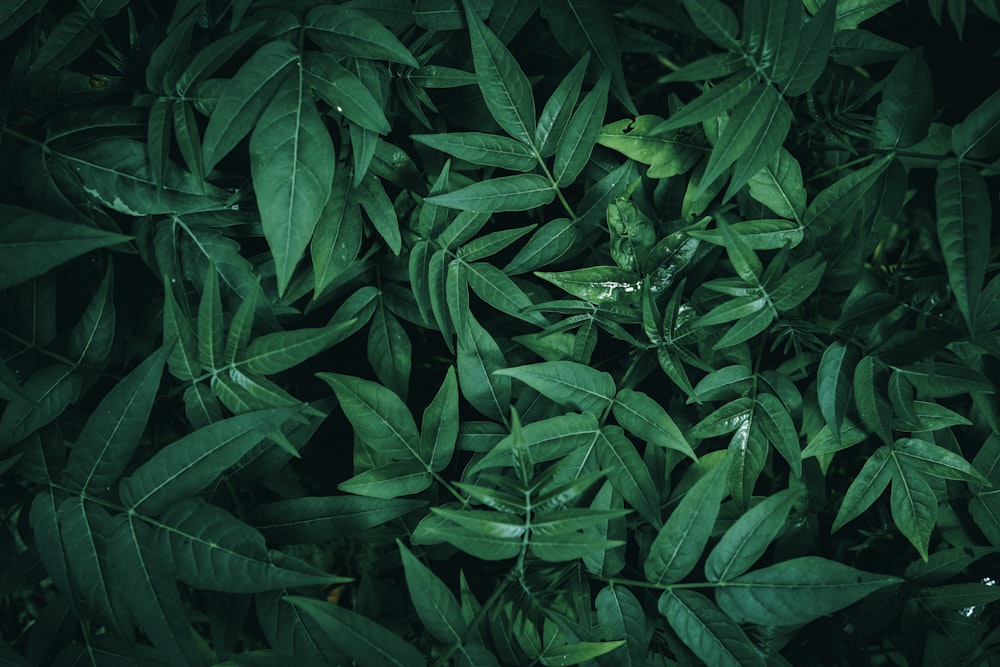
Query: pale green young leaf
x=913, y=503
x=506, y=90
x=642, y=416
x=585, y=28
x=748, y=538
x=112, y=432
x=522, y=192
x=379, y=417
x=680, y=542
x=279, y=351
x=710, y=634
x=213, y=550
x=139, y=571
x=399, y=478
x=568, y=383
x=32, y=243
x=797, y=591
x=439, y=425
x=292, y=165
x=558, y=109
x=866, y=488
x=343, y=91
x=628, y=473
x=574, y=148
x=963, y=230
x=244, y=99
x=667, y=153
x=491, y=150
x=479, y=360
x=188, y=465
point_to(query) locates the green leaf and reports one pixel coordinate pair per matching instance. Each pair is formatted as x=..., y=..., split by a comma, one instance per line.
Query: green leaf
x=875, y=410
x=15, y=14
x=276, y=352
x=188, y=465
x=379, y=417
x=978, y=136
x=344, y=92
x=213, y=550
x=679, y=544
x=337, y=237
x=207, y=60
x=815, y=42
x=439, y=425
x=717, y=100
x=709, y=633
x=350, y=32
x=748, y=538
x=866, y=488
x=914, y=504
x=436, y=606
x=479, y=360
x=506, y=90
x=399, y=478
x=628, y=473
x=490, y=244
x=934, y=460
x=598, y=284
x=832, y=206
x=558, y=109
x=904, y=115
x=851, y=13
x=715, y=20
x=833, y=383
x=568, y=383
x=313, y=519
x=179, y=337
x=486, y=149
x=620, y=614
x=667, y=154
x=210, y=324
x=642, y=416
x=585, y=28
x=797, y=591
x=574, y=654
x=244, y=99
x=113, y=431
x=546, y=246
x=292, y=164
x=546, y=439
x=378, y=206
x=390, y=350
x=139, y=571
x=574, y=148
x=780, y=431
x=778, y=185
x=48, y=392
x=963, y=230
x=32, y=243
x=92, y=337
x=522, y=192
x=942, y=380
x=363, y=640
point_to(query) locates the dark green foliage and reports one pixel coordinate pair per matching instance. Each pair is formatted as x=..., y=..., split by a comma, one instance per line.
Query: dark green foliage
x=499, y=332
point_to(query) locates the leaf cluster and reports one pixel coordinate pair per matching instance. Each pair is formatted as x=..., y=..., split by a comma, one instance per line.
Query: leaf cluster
x=497, y=332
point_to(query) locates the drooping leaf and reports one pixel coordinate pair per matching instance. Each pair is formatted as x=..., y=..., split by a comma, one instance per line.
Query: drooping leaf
x=797, y=591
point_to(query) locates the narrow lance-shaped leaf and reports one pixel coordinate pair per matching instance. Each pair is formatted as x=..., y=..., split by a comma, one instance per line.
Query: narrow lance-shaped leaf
x=963, y=229
x=276, y=352
x=292, y=164
x=913, y=503
x=210, y=325
x=710, y=634
x=439, y=426
x=113, y=431
x=576, y=145
x=567, y=383
x=522, y=192
x=628, y=473
x=379, y=417
x=186, y=466
x=435, y=604
x=748, y=538
x=833, y=387
x=92, y=337
x=505, y=87
x=866, y=488
x=679, y=544
x=639, y=414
